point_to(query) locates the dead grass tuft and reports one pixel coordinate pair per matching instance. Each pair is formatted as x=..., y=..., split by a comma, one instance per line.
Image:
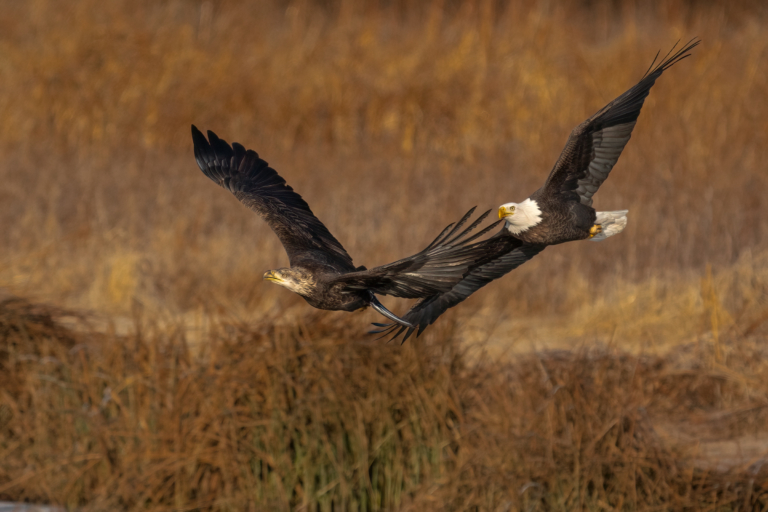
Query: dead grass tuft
x=309, y=416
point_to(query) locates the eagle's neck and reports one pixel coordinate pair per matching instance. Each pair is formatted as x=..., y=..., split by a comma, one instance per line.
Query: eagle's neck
x=527, y=215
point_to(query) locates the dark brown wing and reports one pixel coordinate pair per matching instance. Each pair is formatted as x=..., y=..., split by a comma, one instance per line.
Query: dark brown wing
x=595, y=145
x=502, y=253
x=261, y=189
x=436, y=269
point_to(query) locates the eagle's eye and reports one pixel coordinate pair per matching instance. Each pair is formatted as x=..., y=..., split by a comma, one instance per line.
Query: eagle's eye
x=511, y=208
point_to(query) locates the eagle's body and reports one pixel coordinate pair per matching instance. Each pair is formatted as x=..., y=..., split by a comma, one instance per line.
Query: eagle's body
x=542, y=220
x=561, y=210
x=320, y=270
x=547, y=222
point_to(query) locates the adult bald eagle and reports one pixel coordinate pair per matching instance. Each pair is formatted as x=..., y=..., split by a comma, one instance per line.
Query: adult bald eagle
x=321, y=271
x=561, y=210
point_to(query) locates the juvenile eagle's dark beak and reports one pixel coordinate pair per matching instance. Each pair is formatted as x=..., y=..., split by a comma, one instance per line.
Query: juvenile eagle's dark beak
x=270, y=275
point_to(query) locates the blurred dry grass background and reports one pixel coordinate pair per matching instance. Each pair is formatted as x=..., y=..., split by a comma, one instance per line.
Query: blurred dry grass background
x=391, y=119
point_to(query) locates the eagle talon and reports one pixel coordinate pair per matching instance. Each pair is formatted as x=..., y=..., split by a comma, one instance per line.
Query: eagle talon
x=595, y=230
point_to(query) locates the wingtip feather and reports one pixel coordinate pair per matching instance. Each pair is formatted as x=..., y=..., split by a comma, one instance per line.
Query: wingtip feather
x=670, y=59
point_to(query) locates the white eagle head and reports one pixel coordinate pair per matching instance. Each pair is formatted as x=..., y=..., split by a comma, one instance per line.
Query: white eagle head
x=520, y=216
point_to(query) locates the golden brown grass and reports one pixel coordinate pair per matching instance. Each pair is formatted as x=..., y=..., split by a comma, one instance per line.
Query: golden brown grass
x=391, y=119
x=307, y=416
x=391, y=122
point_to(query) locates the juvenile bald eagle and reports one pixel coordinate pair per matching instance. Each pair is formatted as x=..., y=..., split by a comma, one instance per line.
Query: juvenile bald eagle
x=320, y=270
x=560, y=211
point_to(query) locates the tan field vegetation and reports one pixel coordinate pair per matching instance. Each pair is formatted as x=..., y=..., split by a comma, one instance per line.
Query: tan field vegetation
x=148, y=367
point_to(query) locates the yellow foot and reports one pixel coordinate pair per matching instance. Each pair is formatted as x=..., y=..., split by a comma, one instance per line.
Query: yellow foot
x=594, y=230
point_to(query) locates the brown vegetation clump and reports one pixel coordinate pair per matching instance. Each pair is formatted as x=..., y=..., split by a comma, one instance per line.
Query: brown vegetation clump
x=310, y=416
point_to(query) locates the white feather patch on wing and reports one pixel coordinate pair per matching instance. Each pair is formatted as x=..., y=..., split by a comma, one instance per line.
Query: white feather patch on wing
x=613, y=223
x=527, y=214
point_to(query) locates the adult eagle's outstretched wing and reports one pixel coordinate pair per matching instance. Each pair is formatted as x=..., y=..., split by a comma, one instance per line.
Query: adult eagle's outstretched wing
x=502, y=253
x=595, y=145
x=434, y=270
x=261, y=189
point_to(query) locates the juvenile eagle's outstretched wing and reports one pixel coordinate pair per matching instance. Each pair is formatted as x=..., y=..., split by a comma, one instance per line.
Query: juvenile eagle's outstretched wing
x=501, y=254
x=434, y=270
x=261, y=189
x=596, y=144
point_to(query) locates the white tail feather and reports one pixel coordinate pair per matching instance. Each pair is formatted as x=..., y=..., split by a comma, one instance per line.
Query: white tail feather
x=612, y=223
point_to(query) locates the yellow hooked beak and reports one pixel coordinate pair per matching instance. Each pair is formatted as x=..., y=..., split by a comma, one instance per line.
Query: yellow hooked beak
x=270, y=275
x=504, y=212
